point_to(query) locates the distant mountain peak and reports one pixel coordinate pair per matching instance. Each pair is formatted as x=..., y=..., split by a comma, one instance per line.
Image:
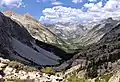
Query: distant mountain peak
x=9, y=12
x=110, y=19
x=27, y=15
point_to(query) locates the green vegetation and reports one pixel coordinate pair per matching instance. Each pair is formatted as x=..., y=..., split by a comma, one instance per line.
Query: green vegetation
x=69, y=48
x=29, y=69
x=92, y=72
x=76, y=79
x=104, y=78
x=48, y=70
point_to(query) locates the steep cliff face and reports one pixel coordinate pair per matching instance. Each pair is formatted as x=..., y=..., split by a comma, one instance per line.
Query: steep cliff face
x=17, y=44
x=37, y=30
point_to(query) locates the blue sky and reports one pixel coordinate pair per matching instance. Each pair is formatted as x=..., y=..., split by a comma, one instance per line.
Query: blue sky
x=44, y=10
x=35, y=7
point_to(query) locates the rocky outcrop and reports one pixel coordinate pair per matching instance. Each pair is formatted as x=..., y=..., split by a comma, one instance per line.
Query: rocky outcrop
x=15, y=71
x=115, y=77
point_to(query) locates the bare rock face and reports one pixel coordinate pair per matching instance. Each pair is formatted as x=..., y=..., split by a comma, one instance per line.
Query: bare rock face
x=17, y=44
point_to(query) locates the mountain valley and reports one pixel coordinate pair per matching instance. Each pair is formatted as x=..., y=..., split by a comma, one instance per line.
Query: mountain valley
x=63, y=51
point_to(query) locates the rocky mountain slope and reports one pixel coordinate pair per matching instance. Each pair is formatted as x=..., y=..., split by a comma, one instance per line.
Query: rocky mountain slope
x=37, y=30
x=17, y=44
x=82, y=35
x=97, y=31
x=100, y=58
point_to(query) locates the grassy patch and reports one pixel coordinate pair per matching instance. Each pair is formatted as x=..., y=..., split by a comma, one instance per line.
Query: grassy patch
x=48, y=70
x=76, y=79
x=104, y=78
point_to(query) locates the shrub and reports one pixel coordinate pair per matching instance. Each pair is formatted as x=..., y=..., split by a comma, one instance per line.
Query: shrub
x=20, y=66
x=16, y=65
x=29, y=69
x=92, y=72
x=48, y=70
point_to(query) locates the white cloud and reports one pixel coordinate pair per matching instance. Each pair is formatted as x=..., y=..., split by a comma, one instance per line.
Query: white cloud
x=92, y=0
x=77, y=1
x=53, y=2
x=111, y=9
x=96, y=7
x=112, y=5
x=89, y=5
x=11, y=3
x=63, y=14
x=57, y=3
x=46, y=1
x=38, y=1
x=95, y=12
